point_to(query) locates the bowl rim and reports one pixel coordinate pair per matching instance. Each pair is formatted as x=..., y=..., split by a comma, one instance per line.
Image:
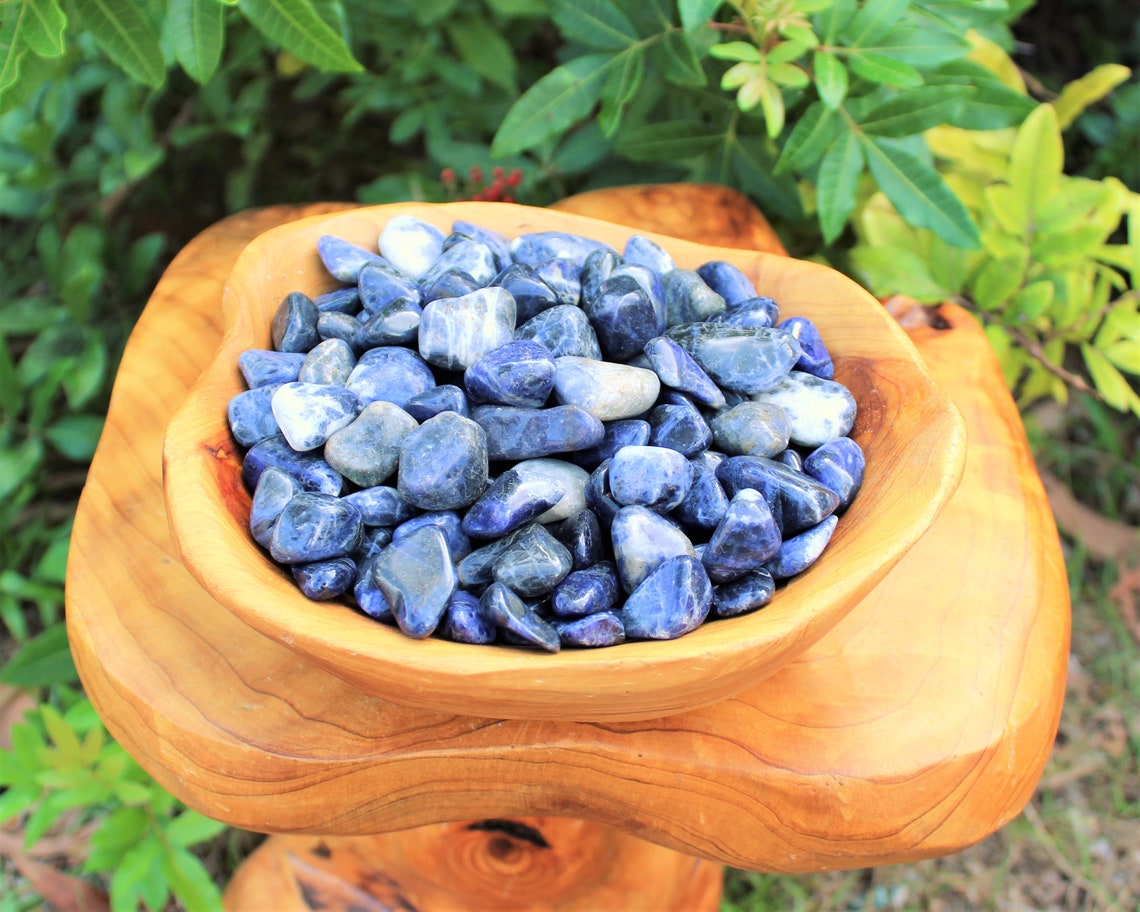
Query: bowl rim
x=634, y=680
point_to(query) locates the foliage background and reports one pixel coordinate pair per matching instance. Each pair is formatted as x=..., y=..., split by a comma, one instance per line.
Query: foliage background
x=139, y=124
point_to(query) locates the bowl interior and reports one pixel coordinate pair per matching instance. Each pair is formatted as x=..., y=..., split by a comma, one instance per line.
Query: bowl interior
x=912, y=436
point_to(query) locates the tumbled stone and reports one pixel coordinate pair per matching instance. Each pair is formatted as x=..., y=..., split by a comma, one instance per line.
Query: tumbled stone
x=791, y=458
x=309, y=413
x=755, y=428
x=582, y=536
x=326, y=579
x=368, y=595
x=601, y=629
x=705, y=503
x=747, y=593
x=642, y=251
x=454, y=332
x=571, y=478
x=671, y=601
x=562, y=330
x=539, y=246
x=650, y=282
x=643, y=539
x=261, y=367
x=450, y=526
x=343, y=259
x=310, y=470
x=521, y=373
x=294, y=327
x=652, y=476
x=598, y=496
x=727, y=280
x=443, y=398
x=534, y=563
x=517, y=433
x=465, y=622
x=760, y=312
x=411, y=244
x=748, y=359
x=624, y=432
x=314, y=527
x=818, y=410
x=499, y=243
x=688, y=299
x=381, y=505
x=374, y=540
x=475, y=569
x=746, y=536
x=814, y=356
x=450, y=284
x=443, y=463
x=380, y=284
x=508, y=612
x=394, y=323
x=532, y=295
x=344, y=301
x=563, y=275
x=586, y=591
x=468, y=258
x=598, y=266
x=796, y=501
x=680, y=427
x=338, y=326
x=275, y=488
x=510, y=502
x=329, y=362
x=799, y=552
x=418, y=579
x=839, y=465
x=390, y=374
x=624, y=318
x=607, y=391
x=250, y=415
x=676, y=369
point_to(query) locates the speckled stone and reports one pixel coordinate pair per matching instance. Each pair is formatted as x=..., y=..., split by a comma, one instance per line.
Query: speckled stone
x=516, y=433
x=582, y=536
x=747, y=593
x=510, y=502
x=418, y=579
x=275, y=488
x=327, y=579
x=814, y=358
x=465, y=622
x=443, y=463
x=443, y=398
x=344, y=301
x=839, y=465
x=680, y=427
x=672, y=600
x=642, y=251
x=799, y=552
x=381, y=284
x=310, y=469
x=250, y=415
x=314, y=527
x=391, y=374
x=336, y=325
x=343, y=259
x=469, y=258
x=411, y=244
x=564, y=275
x=368, y=595
x=744, y=539
x=294, y=327
x=652, y=476
x=596, y=630
x=688, y=299
x=381, y=505
x=727, y=280
x=797, y=502
x=748, y=359
x=818, y=410
x=450, y=526
x=756, y=428
x=520, y=373
x=607, y=391
x=562, y=330
x=534, y=563
x=626, y=432
x=499, y=244
x=532, y=295
x=475, y=569
x=329, y=362
x=760, y=312
x=309, y=413
x=395, y=323
x=540, y=246
x=454, y=332
x=261, y=367
x=705, y=503
x=597, y=267
x=598, y=497
x=571, y=478
x=643, y=539
x=508, y=612
x=586, y=591
x=676, y=369
x=623, y=316
x=367, y=451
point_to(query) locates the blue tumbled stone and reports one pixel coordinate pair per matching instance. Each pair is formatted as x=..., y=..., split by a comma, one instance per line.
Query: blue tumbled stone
x=510, y=502
x=586, y=591
x=314, y=527
x=454, y=332
x=540, y=246
x=624, y=318
x=250, y=415
x=563, y=275
x=275, y=488
x=476, y=568
x=791, y=458
x=570, y=478
x=468, y=258
x=368, y=595
x=642, y=251
x=752, y=428
x=799, y=552
x=688, y=299
x=261, y=367
x=598, y=496
x=676, y=369
x=582, y=536
x=705, y=502
x=747, y=593
x=374, y=540
x=534, y=563
x=653, y=476
x=818, y=410
x=679, y=427
x=390, y=374
x=418, y=578
x=839, y=465
x=329, y=362
x=310, y=470
x=643, y=539
x=626, y=432
x=309, y=413
x=814, y=358
x=650, y=282
x=394, y=323
x=380, y=284
x=443, y=398
x=465, y=622
x=448, y=523
x=598, y=267
x=671, y=601
x=294, y=327
x=326, y=579
x=761, y=312
x=748, y=359
x=443, y=463
x=381, y=506
x=518, y=433
x=601, y=629
x=796, y=501
x=343, y=259
x=727, y=280
x=746, y=536
x=500, y=244
x=411, y=244
x=338, y=326
x=344, y=301
x=521, y=373
x=449, y=284
x=562, y=330
x=608, y=391
x=506, y=610
x=531, y=294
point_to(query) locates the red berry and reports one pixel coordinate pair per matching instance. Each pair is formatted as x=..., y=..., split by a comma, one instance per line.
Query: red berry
x=476, y=174
x=514, y=178
x=447, y=175
x=497, y=172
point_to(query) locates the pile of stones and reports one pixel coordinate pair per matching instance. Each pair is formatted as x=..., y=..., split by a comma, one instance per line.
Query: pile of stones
x=541, y=441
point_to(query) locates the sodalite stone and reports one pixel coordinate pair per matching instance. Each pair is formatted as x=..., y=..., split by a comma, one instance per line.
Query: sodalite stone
x=643, y=251
x=745, y=538
x=314, y=527
x=443, y=463
x=329, y=362
x=294, y=327
x=338, y=326
x=468, y=258
x=507, y=611
x=518, y=433
x=534, y=563
x=532, y=295
x=572, y=479
x=598, y=496
x=540, y=246
x=510, y=502
x=500, y=244
x=814, y=357
x=395, y=323
x=562, y=330
x=411, y=244
x=582, y=536
x=839, y=465
x=624, y=432
x=676, y=369
x=563, y=275
x=799, y=552
x=654, y=477
x=368, y=595
x=598, y=267
x=748, y=359
x=344, y=301
x=250, y=415
x=261, y=367
x=680, y=427
x=465, y=622
x=309, y=413
x=382, y=505
x=818, y=410
x=791, y=458
x=705, y=503
x=607, y=391
x=275, y=488
x=327, y=579
x=367, y=451
x=343, y=259
x=310, y=470
x=756, y=428
x=672, y=600
x=601, y=629
x=454, y=332
x=449, y=284
x=624, y=318
x=476, y=568
x=796, y=501
x=390, y=374
x=443, y=398
x=374, y=540
x=449, y=524
x=727, y=281
x=417, y=577
x=643, y=539
x=751, y=591
x=688, y=299
x=586, y=591
x=521, y=373
x=380, y=284
x=761, y=312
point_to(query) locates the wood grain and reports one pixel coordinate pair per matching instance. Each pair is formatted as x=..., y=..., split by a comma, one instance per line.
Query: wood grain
x=915, y=727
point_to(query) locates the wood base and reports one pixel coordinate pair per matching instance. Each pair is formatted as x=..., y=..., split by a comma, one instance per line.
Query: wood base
x=526, y=863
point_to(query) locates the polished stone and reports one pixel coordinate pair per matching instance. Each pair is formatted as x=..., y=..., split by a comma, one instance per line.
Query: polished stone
x=367, y=451
x=314, y=527
x=752, y=428
x=596, y=630
x=744, y=539
x=443, y=398
x=625, y=432
x=642, y=251
x=797, y=501
x=443, y=463
x=343, y=259
x=309, y=413
x=411, y=244
x=499, y=244
x=454, y=332
x=791, y=458
x=329, y=362
x=746, y=593
x=624, y=318
x=598, y=267
x=344, y=301
x=475, y=569
x=586, y=591
x=839, y=465
x=310, y=469
x=814, y=358
x=705, y=503
x=598, y=497
x=469, y=258
x=608, y=391
x=818, y=410
x=510, y=502
x=571, y=478
x=652, y=476
x=727, y=280
x=507, y=611
x=250, y=415
x=341, y=326
x=564, y=275
x=520, y=372
x=517, y=433
x=688, y=299
x=294, y=327
x=261, y=367
x=539, y=246
x=534, y=563
x=676, y=369
x=748, y=359
x=368, y=595
x=382, y=505
x=418, y=579
x=374, y=540
x=643, y=539
x=465, y=622
x=275, y=488
x=799, y=552
x=390, y=374
x=761, y=312
x=450, y=526
x=532, y=295
x=326, y=579
x=380, y=284
x=671, y=601
x=680, y=427
x=582, y=536
x=395, y=323
x=562, y=330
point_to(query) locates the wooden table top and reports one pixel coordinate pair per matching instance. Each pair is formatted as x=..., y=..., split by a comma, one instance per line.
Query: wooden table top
x=917, y=726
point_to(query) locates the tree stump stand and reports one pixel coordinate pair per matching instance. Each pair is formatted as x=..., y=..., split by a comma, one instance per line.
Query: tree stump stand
x=916, y=727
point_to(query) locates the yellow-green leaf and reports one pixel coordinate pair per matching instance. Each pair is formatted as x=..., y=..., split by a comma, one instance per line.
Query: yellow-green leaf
x=40, y=25
x=997, y=280
x=1110, y=383
x=197, y=31
x=1037, y=161
x=1032, y=301
x=1089, y=89
x=830, y=78
x=1125, y=354
x=125, y=34
x=297, y=27
x=772, y=103
x=838, y=179
x=1007, y=208
x=1059, y=248
x=990, y=55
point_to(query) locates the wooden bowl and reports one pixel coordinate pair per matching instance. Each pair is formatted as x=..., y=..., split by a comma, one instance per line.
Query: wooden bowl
x=912, y=435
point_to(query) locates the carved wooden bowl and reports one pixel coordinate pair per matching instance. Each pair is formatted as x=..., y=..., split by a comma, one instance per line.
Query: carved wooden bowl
x=912, y=435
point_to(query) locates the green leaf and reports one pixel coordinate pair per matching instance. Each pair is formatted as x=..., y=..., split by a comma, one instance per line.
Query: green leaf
x=297, y=27
x=889, y=271
x=916, y=111
x=191, y=882
x=125, y=34
x=772, y=103
x=1061, y=248
x=1032, y=301
x=874, y=20
x=1007, y=208
x=43, y=661
x=838, y=179
x=17, y=464
x=993, y=106
x=620, y=88
x=1036, y=161
x=695, y=13
x=483, y=48
x=879, y=69
x=557, y=101
x=140, y=874
x=27, y=73
x=682, y=66
x=13, y=48
x=1109, y=382
x=62, y=735
x=997, y=281
x=75, y=436
x=753, y=168
x=742, y=51
x=189, y=828
x=1088, y=90
x=830, y=78
x=834, y=19
x=197, y=34
x=40, y=25
x=919, y=194
x=924, y=47
x=811, y=137
x=598, y=24
x=669, y=141
x=786, y=74
x=1125, y=354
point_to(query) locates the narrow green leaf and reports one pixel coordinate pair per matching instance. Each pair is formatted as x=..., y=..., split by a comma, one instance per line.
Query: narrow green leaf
x=915, y=112
x=838, y=179
x=997, y=280
x=296, y=26
x=834, y=19
x=1008, y=209
x=669, y=141
x=18, y=463
x=43, y=661
x=682, y=66
x=189, y=828
x=483, y=48
x=197, y=33
x=125, y=34
x=1032, y=301
x=1088, y=90
x=1109, y=382
x=136, y=877
x=742, y=51
x=598, y=24
x=919, y=194
x=830, y=78
x=1134, y=241
x=42, y=24
x=801, y=34
x=923, y=47
x=62, y=736
x=13, y=47
x=874, y=20
x=191, y=882
x=879, y=69
x=620, y=88
x=1061, y=248
x=752, y=166
x=695, y=13
x=811, y=137
x=772, y=103
x=786, y=50
x=992, y=107
x=1037, y=160
x=558, y=100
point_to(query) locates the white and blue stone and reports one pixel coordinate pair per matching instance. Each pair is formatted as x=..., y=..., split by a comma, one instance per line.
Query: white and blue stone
x=598, y=497
x=680, y=426
x=411, y=244
x=344, y=301
x=250, y=415
x=540, y=246
x=596, y=630
x=454, y=332
x=329, y=362
x=705, y=503
x=642, y=251
x=475, y=569
x=314, y=527
x=380, y=284
x=417, y=577
x=571, y=478
x=443, y=463
x=465, y=622
x=814, y=357
x=688, y=299
x=508, y=612
x=608, y=391
x=510, y=502
x=390, y=374
x=799, y=552
x=520, y=372
x=650, y=282
x=839, y=465
x=449, y=524
x=677, y=370
x=598, y=267
x=262, y=367
x=818, y=410
x=309, y=413
x=500, y=244
x=797, y=501
x=326, y=579
x=367, y=451
x=624, y=432
x=518, y=433
x=727, y=280
x=748, y=359
x=586, y=591
x=469, y=258
x=341, y=326
x=534, y=563
x=623, y=317
x=394, y=323
x=374, y=540
x=310, y=470
x=746, y=593
x=447, y=397
x=562, y=330
x=275, y=488
x=532, y=295
x=368, y=595
x=744, y=539
x=752, y=428
x=652, y=476
x=791, y=458
x=760, y=312
x=381, y=505
x=582, y=536
x=343, y=259
x=671, y=601
x=294, y=326
x=643, y=539
x=564, y=275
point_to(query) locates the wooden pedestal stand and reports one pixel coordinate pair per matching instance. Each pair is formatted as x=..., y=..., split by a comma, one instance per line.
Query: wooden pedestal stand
x=916, y=727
